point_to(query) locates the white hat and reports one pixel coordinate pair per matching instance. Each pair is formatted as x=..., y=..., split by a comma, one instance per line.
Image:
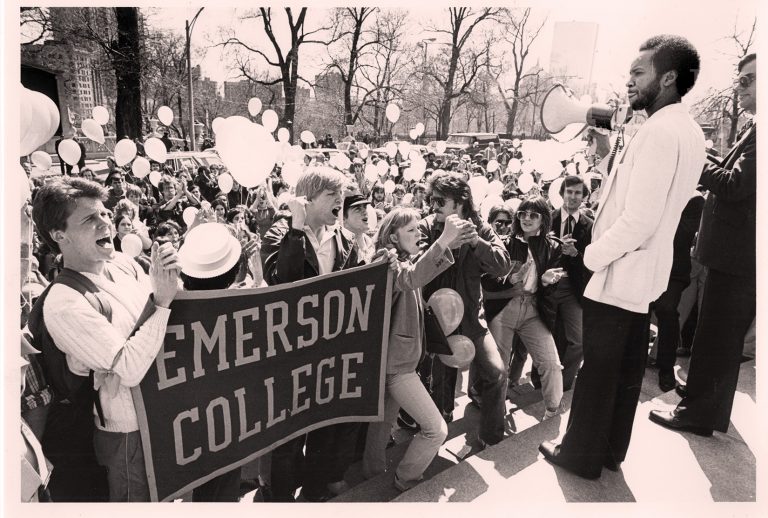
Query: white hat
x=209, y=250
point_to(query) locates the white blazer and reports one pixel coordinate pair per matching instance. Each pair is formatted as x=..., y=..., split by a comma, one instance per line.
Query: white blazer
x=640, y=207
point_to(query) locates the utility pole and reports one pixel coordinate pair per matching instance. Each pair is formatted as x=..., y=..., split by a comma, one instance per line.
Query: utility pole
x=189, y=27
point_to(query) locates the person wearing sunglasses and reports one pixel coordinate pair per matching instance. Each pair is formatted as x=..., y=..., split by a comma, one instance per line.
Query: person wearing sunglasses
x=501, y=218
x=449, y=194
x=726, y=247
x=517, y=303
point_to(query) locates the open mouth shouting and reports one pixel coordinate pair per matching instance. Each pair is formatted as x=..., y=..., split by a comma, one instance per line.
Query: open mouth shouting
x=105, y=243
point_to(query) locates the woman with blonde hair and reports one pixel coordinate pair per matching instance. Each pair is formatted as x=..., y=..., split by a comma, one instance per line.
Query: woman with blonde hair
x=399, y=232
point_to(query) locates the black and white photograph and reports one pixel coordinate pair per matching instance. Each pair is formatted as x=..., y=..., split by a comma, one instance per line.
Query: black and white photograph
x=363, y=254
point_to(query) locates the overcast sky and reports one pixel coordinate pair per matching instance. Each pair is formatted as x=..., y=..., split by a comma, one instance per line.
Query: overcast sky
x=622, y=27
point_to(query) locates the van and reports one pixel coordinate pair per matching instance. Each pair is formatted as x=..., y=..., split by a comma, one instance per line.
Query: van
x=463, y=142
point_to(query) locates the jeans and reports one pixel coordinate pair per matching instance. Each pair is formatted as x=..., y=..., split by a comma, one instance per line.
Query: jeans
x=406, y=391
x=122, y=455
x=520, y=316
x=568, y=341
x=491, y=371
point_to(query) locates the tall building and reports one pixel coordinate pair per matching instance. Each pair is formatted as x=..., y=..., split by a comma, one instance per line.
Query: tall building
x=573, y=53
x=329, y=86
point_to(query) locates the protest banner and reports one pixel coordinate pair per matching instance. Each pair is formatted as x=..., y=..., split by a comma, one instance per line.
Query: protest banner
x=243, y=371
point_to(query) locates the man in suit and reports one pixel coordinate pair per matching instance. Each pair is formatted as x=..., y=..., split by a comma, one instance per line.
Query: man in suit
x=726, y=247
x=631, y=256
x=574, y=228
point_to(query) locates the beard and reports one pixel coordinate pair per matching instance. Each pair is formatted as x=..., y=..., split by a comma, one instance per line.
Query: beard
x=646, y=97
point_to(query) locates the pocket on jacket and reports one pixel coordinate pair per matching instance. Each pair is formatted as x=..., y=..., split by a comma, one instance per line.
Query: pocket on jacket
x=630, y=278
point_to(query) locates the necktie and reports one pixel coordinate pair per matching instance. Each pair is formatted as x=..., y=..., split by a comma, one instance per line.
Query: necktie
x=569, y=225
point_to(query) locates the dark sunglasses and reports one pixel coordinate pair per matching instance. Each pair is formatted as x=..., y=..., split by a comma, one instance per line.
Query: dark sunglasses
x=502, y=222
x=744, y=81
x=437, y=200
x=529, y=214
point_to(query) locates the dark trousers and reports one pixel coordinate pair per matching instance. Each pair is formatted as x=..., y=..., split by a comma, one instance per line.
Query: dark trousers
x=726, y=312
x=668, y=323
x=329, y=452
x=608, y=386
x=224, y=488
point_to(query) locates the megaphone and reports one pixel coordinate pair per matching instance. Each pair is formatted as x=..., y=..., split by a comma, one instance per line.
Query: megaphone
x=561, y=108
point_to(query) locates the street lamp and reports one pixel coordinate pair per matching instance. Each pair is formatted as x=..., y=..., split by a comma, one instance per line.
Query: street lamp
x=189, y=27
x=425, y=43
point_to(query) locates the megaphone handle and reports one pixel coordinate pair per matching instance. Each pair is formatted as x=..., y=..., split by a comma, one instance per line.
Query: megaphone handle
x=614, y=151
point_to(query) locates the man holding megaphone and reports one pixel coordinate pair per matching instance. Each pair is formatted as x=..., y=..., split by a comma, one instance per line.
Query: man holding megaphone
x=631, y=256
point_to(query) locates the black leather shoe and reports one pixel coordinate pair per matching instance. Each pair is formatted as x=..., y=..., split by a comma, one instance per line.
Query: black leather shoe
x=551, y=452
x=667, y=380
x=682, y=390
x=611, y=464
x=673, y=421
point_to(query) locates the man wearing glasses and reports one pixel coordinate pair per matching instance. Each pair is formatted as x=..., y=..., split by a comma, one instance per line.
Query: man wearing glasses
x=631, y=256
x=726, y=247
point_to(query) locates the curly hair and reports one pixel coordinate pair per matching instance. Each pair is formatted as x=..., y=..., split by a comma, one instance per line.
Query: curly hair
x=676, y=53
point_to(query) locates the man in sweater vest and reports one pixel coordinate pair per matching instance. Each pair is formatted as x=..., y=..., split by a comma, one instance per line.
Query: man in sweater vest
x=70, y=217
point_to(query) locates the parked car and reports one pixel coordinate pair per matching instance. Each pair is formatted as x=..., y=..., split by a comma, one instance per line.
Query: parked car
x=178, y=160
x=464, y=141
x=344, y=146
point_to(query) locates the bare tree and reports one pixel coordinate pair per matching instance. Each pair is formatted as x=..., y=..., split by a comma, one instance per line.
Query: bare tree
x=286, y=60
x=34, y=24
x=721, y=106
x=519, y=34
x=350, y=32
x=461, y=61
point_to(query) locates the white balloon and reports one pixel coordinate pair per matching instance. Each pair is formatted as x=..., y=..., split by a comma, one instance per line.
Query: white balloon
x=527, y=167
x=269, y=120
x=392, y=112
x=100, y=114
x=516, y=143
x=247, y=149
x=165, y=115
x=415, y=154
x=254, y=106
x=708, y=144
x=155, y=149
x=93, y=130
x=140, y=167
x=283, y=135
x=570, y=168
x=42, y=160
x=394, y=170
x=284, y=197
x=413, y=134
x=383, y=167
x=525, y=182
x=495, y=188
x=216, y=124
x=371, y=172
x=125, y=151
x=404, y=148
x=131, y=245
x=513, y=166
x=69, y=151
x=225, y=183
x=189, y=215
x=155, y=177
x=440, y=146
x=513, y=203
x=549, y=168
x=493, y=165
x=389, y=187
x=291, y=172
x=554, y=194
x=363, y=153
x=307, y=137
x=391, y=149
x=489, y=202
x=419, y=129
x=297, y=153
x=38, y=120
x=479, y=187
